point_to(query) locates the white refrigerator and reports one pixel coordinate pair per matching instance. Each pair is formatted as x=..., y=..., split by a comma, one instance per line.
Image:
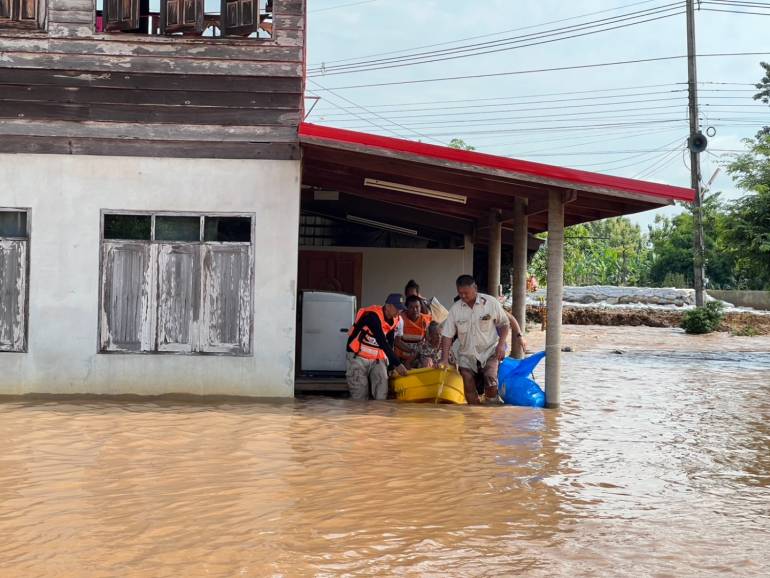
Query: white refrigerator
x=326, y=319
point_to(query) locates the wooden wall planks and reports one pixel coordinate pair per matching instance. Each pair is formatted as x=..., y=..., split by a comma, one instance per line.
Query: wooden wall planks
x=154, y=148
x=73, y=91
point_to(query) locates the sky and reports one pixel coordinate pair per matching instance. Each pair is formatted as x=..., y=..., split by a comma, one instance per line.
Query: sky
x=627, y=119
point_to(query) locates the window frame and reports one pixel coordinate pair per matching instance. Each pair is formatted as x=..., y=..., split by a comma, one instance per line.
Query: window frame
x=158, y=21
x=251, y=245
x=27, y=268
x=15, y=22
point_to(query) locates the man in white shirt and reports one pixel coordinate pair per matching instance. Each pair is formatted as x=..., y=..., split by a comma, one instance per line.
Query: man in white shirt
x=481, y=326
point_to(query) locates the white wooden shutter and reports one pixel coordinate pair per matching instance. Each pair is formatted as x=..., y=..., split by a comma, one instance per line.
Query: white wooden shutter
x=226, y=300
x=127, y=315
x=178, y=297
x=13, y=295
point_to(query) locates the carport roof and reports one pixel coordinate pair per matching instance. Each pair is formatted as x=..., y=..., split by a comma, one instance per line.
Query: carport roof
x=407, y=174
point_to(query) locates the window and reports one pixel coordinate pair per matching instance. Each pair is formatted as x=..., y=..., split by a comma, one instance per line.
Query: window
x=18, y=13
x=212, y=18
x=176, y=283
x=14, y=269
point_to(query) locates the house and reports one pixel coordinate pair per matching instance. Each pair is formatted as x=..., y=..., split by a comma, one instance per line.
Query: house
x=163, y=203
x=150, y=199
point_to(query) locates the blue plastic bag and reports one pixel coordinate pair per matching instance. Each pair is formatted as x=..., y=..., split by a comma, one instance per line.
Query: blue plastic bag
x=516, y=387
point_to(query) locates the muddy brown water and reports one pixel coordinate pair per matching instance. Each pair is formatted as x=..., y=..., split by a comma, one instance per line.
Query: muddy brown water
x=657, y=464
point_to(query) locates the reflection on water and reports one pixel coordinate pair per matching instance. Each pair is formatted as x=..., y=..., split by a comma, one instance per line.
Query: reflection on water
x=656, y=465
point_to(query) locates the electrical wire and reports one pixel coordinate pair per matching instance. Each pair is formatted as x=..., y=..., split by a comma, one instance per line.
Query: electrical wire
x=538, y=70
x=353, y=68
x=614, y=162
x=466, y=118
x=378, y=115
x=540, y=120
x=493, y=43
x=349, y=4
x=657, y=165
x=489, y=35
x=496, y=108
x=475, y=101
x=374, y=124
x=605, y=139
x=748, y=3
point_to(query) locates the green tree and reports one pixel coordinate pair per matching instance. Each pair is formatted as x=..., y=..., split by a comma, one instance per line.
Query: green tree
x=458, y=143
x=672, y=247
x=764, y=93
x=764, y=85
x=608, y=252
x=749, y=232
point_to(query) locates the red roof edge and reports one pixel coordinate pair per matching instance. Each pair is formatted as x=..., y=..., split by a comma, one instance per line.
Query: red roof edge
x=521, y=167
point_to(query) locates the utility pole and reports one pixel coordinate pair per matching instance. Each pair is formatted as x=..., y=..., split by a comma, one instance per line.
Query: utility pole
x=696, y=143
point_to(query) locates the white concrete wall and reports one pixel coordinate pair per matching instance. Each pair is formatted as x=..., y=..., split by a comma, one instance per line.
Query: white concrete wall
x=66, y=193
x=387, y=271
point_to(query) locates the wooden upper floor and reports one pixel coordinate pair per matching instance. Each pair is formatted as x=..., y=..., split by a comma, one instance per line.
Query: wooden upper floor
x=185, y=78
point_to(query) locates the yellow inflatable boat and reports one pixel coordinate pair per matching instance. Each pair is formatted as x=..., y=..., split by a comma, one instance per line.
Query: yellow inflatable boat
x=430, y=385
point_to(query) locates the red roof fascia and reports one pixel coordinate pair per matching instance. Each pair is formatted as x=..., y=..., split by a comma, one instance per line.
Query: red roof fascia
x=568, y=176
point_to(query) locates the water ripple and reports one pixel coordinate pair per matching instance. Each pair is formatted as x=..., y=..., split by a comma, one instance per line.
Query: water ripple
x=658, y=465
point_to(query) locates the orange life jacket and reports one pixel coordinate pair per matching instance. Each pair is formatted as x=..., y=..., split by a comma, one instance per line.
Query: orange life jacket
x=414, y=331
x=364, y=344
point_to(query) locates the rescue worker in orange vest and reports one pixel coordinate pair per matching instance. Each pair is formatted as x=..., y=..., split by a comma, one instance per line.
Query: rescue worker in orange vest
x=370, y=348
x=411, y=331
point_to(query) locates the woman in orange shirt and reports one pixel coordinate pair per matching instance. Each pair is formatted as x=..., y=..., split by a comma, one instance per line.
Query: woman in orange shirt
x=411, y=332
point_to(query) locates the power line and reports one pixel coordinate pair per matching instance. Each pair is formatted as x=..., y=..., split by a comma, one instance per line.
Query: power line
x=427, y=120
x=589, y=128
x=490, y=44
x=608, y=135
x=442, y=113
x=661, y=162
x=342, y=6
x=542, y=119
x=620, y=152
x=738, y=3
x=637, y=156
x=736, y=12
x=562, y=128
x=399, y=63
x=577, y=17
x=613, y=136
x=568, y=104
x=377, y=114
x=537, y=70
x=541, y=95
x=374, y=124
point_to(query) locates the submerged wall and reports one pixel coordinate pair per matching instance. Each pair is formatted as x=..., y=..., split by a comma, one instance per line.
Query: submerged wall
x=66, y=194
x=753, y=299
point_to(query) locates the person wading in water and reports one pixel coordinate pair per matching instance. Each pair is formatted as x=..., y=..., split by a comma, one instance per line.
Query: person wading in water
x=481, y=326
x=370, y=348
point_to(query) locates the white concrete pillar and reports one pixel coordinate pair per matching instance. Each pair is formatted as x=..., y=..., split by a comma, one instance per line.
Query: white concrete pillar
x=495, y=250
x=519, y=284
x=468, y=254
x=554, y=298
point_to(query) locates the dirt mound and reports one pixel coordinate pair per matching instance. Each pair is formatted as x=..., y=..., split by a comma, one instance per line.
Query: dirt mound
x=741, y=323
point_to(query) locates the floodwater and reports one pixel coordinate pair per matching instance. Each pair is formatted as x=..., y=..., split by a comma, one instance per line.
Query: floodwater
x=657, y=464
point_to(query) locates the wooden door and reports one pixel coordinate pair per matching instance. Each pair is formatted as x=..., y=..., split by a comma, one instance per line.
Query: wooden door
x=331, y=271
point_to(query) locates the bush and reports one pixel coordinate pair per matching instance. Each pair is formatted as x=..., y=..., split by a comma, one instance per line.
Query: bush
x=703, y=319
x=746, y=331
x=676, y=280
